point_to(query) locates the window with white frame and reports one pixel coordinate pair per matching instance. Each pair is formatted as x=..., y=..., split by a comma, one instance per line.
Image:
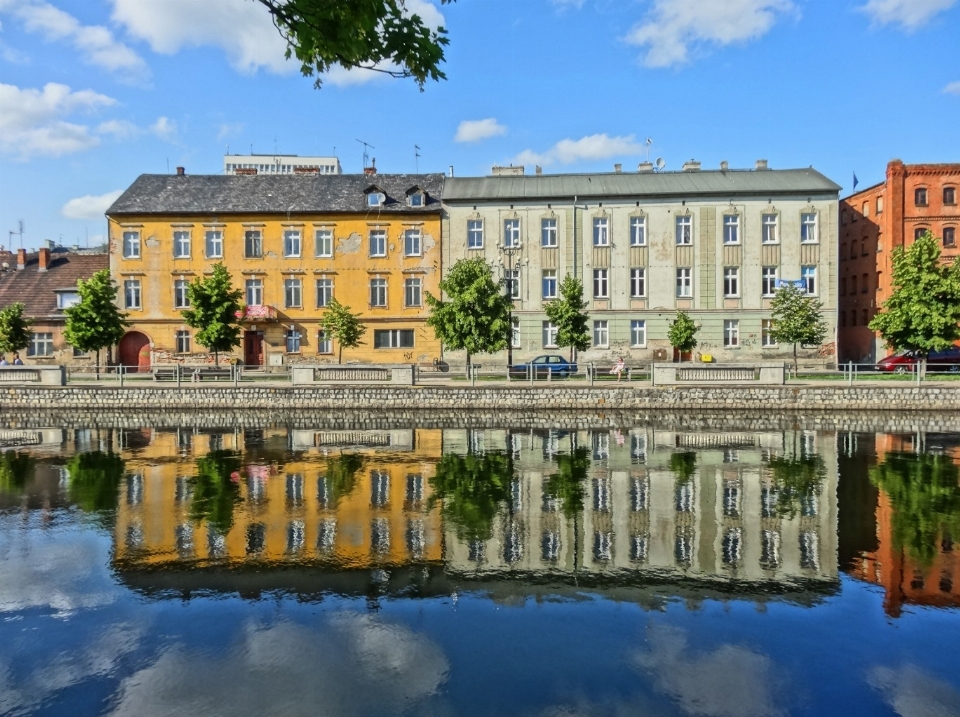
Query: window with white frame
x=292, y=341
x=181, y=295
x=323, y=242
x=474, y=234
x=378, y=292
x=770, y=233
x=731, y=281
x=511, y=233
x=515, y=332
x=324, y=342
x=292, y=293
x=253, y=244
x=808, y=228
x=253, y=292
x=601, y=334
x=684, y=230
x=131, y=293
x=684, y=282
x=638, y=282
x=415, y=199
x=601, y=231
x=181, y=244
x=549, y=335
x=413, y=291
x=808, y=274
x=731, y=229
x=378, y=242
x=41, y=344
x=768, y=280
x=511, y=280
x=393, y=339
x=183, y=341
x=324, y=292
x=411, y=242
x=638, y=231
x=213, y=244
x=601, y=288
x=638, y=333
x=766, y=333
x=374, y=199
x=731, y=333
x=131, y=245
x=549, y=283
x=548, y=232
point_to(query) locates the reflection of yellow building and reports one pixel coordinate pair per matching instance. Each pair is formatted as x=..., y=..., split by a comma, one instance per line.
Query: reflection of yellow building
x=290, y=243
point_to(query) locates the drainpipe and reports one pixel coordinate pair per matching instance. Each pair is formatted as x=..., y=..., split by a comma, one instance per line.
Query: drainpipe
x=574, y=236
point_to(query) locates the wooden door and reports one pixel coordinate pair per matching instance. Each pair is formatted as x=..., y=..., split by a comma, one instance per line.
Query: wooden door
x=253, y=348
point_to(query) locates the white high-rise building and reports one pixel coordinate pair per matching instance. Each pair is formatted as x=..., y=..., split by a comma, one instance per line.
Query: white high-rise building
x=280, y=163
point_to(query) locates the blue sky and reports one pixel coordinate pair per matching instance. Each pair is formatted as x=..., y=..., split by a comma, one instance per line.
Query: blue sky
x=96, y=92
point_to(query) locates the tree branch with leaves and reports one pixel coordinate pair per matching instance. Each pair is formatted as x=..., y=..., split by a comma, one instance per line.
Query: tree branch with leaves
x=342, y=326
x=214, y=307
x=14, y=329
x=566, y=313
x=797, y=318
x=683, y=333
x=95, y=322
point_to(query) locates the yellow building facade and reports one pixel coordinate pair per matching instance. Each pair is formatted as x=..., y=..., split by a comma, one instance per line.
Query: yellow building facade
x=291, y=244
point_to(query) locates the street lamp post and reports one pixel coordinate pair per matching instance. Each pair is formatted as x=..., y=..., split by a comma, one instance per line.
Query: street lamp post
x=510, y=251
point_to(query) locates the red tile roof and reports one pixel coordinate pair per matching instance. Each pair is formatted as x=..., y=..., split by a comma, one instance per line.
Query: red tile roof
x=35, y=289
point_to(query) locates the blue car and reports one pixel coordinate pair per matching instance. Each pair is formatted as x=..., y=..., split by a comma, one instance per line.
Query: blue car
x=552, y=366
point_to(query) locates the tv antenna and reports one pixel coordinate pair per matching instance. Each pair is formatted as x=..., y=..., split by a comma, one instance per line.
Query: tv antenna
x=416, y=157
x=366, y=155
x=660, y=164
x=647, y=146
x=18, y=233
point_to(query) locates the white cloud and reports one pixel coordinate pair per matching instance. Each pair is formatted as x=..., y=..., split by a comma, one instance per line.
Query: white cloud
x=32, y=121
x=89, y=206
x=911, y=14
x=592, y=148
x=165, y=128
x=674, y=27
x=119, y=129
x=476, y=130
x=229, y=129
x=566, y=4
x=96, y=44
x=428, y=12
x=952, y=89
x=912, y=693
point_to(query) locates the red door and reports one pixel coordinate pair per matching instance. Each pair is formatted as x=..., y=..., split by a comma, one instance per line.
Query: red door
x=134, y=352
x=253, y=348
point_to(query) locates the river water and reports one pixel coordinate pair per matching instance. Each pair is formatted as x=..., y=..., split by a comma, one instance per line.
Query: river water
x=624, y=568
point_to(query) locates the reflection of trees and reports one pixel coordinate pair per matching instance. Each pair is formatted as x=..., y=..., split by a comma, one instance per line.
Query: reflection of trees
x=924, y=491
x=683, y=465
x=342, y=476
x=796, y=478
x=94, y=480
x=15, y=469
x=568, y=483
x=216, y=490
x=472, y=489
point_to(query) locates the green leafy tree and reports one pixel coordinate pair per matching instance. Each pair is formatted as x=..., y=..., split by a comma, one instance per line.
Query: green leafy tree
x=378, y=35
x=15, y=469
x=683, y=465
x=95, y=322
x=14, y=329
x=566, y=313
x=797, y=318
x=214, y=306
x=683, y=333
x=923, y=311
x=471, y=490
x=476, y=316
x=568, y=484
x=216, y=489
x=341, y=477
x=795, y=479
x=94, y=481
x=345, y=328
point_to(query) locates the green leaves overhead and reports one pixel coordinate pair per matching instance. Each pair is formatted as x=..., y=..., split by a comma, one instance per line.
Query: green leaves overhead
x=797, y=318
x=566, y=313
x=14, y=328
x=342, y=326
x=214, y=305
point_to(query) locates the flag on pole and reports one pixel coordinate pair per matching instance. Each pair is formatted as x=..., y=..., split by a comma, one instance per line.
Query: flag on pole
x=855, y=180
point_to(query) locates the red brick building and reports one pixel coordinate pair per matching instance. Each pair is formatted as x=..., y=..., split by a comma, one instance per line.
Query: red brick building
x=913, y=199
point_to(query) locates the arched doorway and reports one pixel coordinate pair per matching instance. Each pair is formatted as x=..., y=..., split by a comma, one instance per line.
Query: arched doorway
x=134, y=352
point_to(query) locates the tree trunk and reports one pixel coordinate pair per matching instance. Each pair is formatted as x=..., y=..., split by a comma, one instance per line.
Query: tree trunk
x=216, y=359
x=468, y=364
x=98, y=364
x=794, y=360
x=339, y=352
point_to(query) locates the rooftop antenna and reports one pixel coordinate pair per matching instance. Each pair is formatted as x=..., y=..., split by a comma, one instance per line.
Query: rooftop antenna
x=366, y=155
x=660, y=164
x=18, y=233
x=416, y=157
x=647, y=144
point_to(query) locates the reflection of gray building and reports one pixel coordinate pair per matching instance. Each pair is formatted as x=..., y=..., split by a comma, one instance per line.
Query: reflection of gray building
x=733, y=518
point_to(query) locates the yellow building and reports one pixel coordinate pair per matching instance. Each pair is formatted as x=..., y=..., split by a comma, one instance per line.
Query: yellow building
x=290, y=243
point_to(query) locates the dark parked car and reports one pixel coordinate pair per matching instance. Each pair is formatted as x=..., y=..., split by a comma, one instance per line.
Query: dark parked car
x=551, y=365
x=904, y=361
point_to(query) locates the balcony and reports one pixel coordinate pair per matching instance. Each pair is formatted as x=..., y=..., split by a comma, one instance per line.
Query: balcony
x=260, y=312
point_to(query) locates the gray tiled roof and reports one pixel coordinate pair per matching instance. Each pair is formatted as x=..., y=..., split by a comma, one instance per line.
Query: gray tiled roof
x=272, y=194
x=722, y=183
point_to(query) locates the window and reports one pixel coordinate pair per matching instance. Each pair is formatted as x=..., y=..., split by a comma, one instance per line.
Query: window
x=474, y=234
x=292, y=293
x=292, y=340
x=378, y=292
x=131, y=245
x=843, y=217
x=843, y=286
x=949, y=236
x=853, y=249
x=375, y=199
x=378, y=242
x=638, y=231
x=853, y=317
x=511, y=233
x=843, y=319
x=324, y=292
x=511, y=280
x=808, y=274
x=66, y=299
x=181, y=245
x=393, y=339
x=731, y=281
x=41, y=344
x=411, y=242
x=600, y=288
x=853, y=284
x=549, y=283
x=863, y=248
x=864, y=317
x=601, y=334
x=253, y=292
x=638, y=333
x=731, y=333
x=865, y=209
x=684, y=282
x=768, y=281
x=770, y=234
x=515, y=332
x=183, y=342
x=866, y=284
x=415, y=199
x=181, y=297
x=601, y=231
x=731, y=229
x=323, y=242
x=548, y=232
x=324, y=343
x=131, y=293
x=920, y=197
x=412, y=291
x=919, y=232
x=879, y=205
x=213, y=244
x=549, y=335
x=949, y=196
x=766, y=333
x=808, y=228
x=685, y=230
x=253, y=244
x=638, y=282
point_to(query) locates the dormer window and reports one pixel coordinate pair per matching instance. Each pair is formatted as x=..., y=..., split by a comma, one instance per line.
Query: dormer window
x=66, y=299
x=415, y=199
x=375, y=199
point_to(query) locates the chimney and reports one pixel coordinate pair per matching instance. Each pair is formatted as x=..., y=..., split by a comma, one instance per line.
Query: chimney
x=762, y=164
x=617, y=168
x=51, y=244
x=510, y=171
x=44, y=255
x=691, y=166
x=21, y=259
x=724, y=166
x=372, y=169
x=645, y=167
x=245, y=171
x=181, y=171
x=538, y=169
x=451, y=171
